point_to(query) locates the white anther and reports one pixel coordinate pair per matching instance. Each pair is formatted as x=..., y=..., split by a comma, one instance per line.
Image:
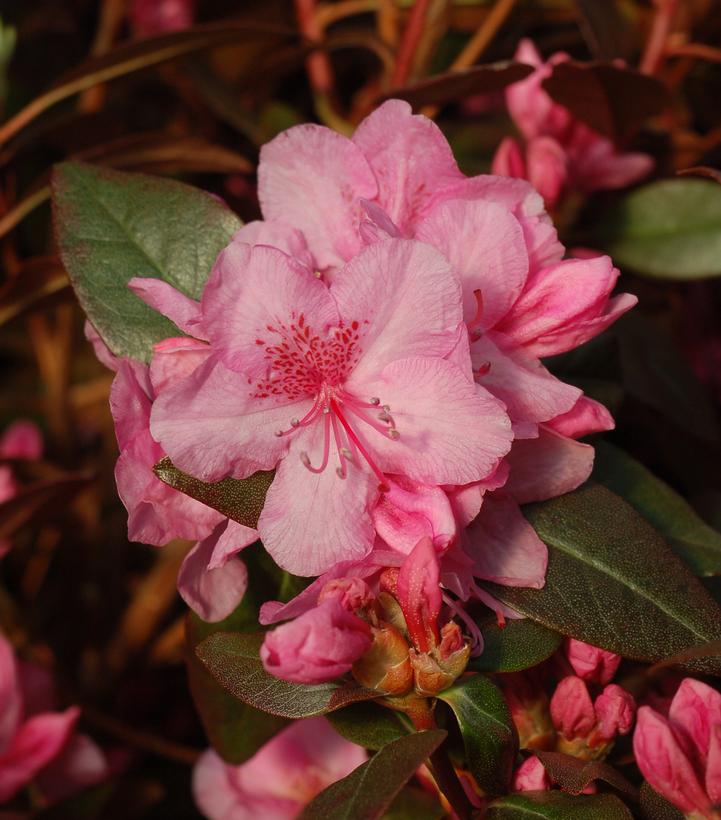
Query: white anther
x=279, y=433
x=387, y=408
x=346, y=453
x=394, y=434
x=326, y=410
x=375, y=400
x=294, y=422
x=383, y=416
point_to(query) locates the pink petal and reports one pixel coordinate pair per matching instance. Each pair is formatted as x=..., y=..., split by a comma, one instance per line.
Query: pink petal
x=277, y=235
x=233, y=538
x=585, y=417
x=572, y=709
x=521, y=382
x=547, y=163
x=386, y=288
x=81, y=763
x=311, y=521
x=504, y=547
x=547, y=466
x=590, y=662
x=615, y=709
x=130, y=400
x=410, y=158
x=696, y=708
x=313, y=178
x=212, y=426
x=409, y=511
x=663, y=763
x=11, y=700
x=451, y=430
x=531, y=776
x=419, y=593
x=713, y=765
x=485, y=244
x=509, y=161
x=255, y=299
x=163, y=297
x=212, y=593
x=376, y=225
x=316, y=647
x=22, y=439
x=596, y=163
x=101, y=350
x=174, y=359
x=37, y=742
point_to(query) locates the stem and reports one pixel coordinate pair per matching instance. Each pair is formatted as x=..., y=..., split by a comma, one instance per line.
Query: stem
x=441, y=766
x=654, y=52
x=409, y=43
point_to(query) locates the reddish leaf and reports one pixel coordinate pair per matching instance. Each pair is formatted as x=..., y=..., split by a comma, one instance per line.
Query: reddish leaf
x=573, y=775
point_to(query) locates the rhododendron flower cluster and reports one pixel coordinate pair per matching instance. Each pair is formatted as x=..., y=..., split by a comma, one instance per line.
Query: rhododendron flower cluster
x=559, y=153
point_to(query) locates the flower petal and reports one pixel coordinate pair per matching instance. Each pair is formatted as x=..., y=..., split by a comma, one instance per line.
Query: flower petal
x=696, y=708
x=451, y=430
x=164, y=298
x=313, y=178
x=585, y=417
x=11, y=700
x=277, y=235
x=22, y=439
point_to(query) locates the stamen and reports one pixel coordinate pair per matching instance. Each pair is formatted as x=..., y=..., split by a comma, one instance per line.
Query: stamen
x=307, y=419
x=482, y=369
x=393, y=434
x=326, y=450
x=369, y=421
x=354, y=438
x=375, y=400
x=340, y=470
x=346, y=453
x=474, y=328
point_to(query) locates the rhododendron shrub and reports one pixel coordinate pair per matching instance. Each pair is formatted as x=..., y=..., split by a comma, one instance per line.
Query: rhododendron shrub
x=357, y=419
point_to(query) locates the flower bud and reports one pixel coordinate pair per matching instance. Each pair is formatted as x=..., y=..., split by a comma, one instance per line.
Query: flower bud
x=531, y=776
x=353, y=593
x=615, y=709
x=386, y=666
x=591, y=663
x=432, y=673
x=528, y=705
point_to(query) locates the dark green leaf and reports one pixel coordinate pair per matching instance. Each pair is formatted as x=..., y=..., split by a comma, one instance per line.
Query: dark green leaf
x=573, y=775
x=518, y=645
x=669, y=229
x=368, y=724
x=614, y=100
x=369, y=790
x=555, y=805
x=233, y=660
x=111, y=226
x=692, y=539
x=489, y=736
x=239, y=499
x=655, y=807
x=705, y=651
x=415, y=804
x=613, y=582
x=235, y=730
x=455, y=85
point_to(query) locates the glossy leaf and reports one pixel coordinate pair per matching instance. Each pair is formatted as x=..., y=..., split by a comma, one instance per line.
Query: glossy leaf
x=239, y=499
x=489, y=736
x=573, y=775
x=613, y=100
x=690, y=536
x=613, y=582
x=655, y=807
x=233, y=660
x=415, y=804
x=555, y=805
x=456, y=85
x=369, y=724
x=112, y=226
x=371, y=788
x=669, y=229
x=519, y=644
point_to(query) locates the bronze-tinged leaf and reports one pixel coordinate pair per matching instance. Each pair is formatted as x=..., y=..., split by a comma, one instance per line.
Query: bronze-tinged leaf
x=613, y=100
x=573, y=775
x=456, y=85
x=239, y=499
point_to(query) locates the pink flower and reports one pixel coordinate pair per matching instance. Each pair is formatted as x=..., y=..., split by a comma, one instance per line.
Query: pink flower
x=36, y=742
x=320, y=645
x=336, y=387
x=531, y=776
x=560, y=152
x=680, y=756
x=152, y=17
x=572, y=709
x=591, y=663
x=280, y=779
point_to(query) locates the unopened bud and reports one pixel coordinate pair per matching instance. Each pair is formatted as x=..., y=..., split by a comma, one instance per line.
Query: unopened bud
x=386, y=666
x=528, y=705
x=436, y=670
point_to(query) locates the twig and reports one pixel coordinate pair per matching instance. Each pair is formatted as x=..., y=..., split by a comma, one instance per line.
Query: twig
x=409, y=42
x=656, y=44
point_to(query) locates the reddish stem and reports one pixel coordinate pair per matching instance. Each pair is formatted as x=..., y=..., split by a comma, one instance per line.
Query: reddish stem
x=409, y=43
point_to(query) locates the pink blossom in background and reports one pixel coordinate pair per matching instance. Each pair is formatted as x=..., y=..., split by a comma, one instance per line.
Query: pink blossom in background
x=280, y=779
x=152, y=17
x=590, y=663
x=39, y=744
x=22, y=440
x=680, y=755
x=560, y=152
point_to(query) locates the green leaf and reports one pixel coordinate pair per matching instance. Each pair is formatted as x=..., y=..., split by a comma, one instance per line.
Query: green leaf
x=370, y=789
x=692, y=539
x=369, y=725
x=489, y=736
x=233, y=660
x=415, y=804
x=655, y=807
x=518, y=645
x=669, y=229
x=613, y=582
x=235, y=730
x=239, y=499
x=573, y=775
x=111, y=226
x=555, y=805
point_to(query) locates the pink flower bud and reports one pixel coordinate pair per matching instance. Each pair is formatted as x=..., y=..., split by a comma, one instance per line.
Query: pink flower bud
x=591, y=663
x=353, y=593
x=531, y=776
x=318, y=646
x=419, y=594
x=528, y=705
x=572, y=709
x=386, y=666
x=151, y=17
x=615, y=709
